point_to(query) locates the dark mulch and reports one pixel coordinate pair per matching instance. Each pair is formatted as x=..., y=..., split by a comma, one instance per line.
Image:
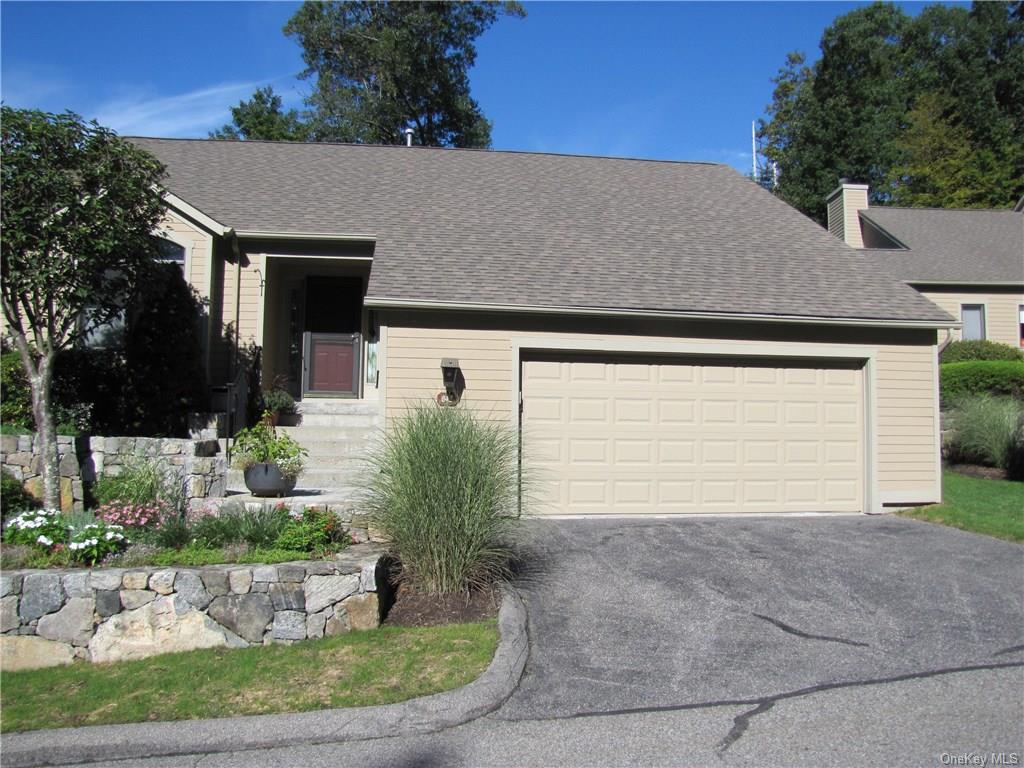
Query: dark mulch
x=976, y=470
x=413, y=609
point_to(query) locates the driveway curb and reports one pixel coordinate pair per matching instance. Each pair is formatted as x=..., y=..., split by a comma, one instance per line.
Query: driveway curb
x=416, y=716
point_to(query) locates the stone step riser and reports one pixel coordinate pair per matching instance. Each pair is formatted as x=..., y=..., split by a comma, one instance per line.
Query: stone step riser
x=334, y=434
x=326, y=479
x=331, y=450
x=337, y=407
x=338, y=420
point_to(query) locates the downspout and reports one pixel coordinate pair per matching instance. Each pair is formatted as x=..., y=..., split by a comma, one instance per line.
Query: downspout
x=946, y=343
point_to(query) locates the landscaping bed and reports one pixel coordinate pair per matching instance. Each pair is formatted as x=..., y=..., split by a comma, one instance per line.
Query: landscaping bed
x=416, y=609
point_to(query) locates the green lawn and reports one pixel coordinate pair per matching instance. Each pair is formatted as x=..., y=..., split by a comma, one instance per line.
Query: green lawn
x=363, y=668
x=991, y=507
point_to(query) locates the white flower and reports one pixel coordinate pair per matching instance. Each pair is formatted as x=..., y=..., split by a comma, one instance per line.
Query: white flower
x=45, y=541
x=76, y=546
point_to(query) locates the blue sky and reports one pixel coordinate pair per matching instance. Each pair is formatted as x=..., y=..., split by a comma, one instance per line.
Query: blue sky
x=668, y=80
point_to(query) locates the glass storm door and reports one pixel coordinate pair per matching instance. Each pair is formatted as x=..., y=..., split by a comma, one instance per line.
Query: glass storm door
x=332, y=342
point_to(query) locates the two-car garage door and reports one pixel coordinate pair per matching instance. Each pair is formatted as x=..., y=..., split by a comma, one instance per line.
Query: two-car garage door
x=607, y=435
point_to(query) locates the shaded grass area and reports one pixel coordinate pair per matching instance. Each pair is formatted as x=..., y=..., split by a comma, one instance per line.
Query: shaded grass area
x=13, y=556
x=991, y=507
x=383, y=666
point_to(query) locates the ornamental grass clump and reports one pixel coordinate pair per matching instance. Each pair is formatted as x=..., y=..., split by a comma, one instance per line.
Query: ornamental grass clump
x=445, y=490
x=987, y=430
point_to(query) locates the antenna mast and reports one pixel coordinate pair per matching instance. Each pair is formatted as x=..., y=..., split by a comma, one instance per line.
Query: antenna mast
x=753, y=151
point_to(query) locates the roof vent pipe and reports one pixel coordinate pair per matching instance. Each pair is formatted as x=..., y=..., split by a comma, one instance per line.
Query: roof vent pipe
x=408, y=137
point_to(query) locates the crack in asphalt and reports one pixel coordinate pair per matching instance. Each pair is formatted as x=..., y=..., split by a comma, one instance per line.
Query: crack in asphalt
x=1011, y=649
x=807, y=636
x=740, y=724
x=765, y=703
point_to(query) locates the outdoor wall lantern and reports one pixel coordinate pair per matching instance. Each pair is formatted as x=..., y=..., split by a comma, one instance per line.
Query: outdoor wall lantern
x=454, y=382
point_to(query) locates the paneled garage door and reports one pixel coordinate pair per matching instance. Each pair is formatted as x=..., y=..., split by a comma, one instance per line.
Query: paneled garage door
x=693, y=435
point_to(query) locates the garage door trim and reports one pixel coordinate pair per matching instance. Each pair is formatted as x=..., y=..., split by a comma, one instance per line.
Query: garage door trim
x=806, y=352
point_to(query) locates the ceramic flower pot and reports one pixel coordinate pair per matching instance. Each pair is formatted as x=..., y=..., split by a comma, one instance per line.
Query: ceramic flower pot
x=267, y=480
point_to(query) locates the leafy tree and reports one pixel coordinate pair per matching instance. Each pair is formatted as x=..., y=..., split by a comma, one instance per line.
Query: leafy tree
x=853, y=113
x=262, y=117
x=382, y=67
x=939, y=166
x=79, y=204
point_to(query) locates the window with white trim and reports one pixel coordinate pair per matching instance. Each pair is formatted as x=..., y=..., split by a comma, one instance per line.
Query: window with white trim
x=170, y=252
x=973, y=317
x=1020, y=317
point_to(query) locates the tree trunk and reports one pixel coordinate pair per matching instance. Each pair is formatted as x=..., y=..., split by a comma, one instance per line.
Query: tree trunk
x=47, y=430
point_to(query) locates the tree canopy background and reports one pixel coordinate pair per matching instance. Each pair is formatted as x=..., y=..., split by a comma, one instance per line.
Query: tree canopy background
x=927, y=110
x=378, y=68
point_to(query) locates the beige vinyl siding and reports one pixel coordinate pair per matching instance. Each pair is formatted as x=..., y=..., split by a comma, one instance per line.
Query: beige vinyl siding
x=843, y=219
x=1002, y=322
x=906, y=418
x=199, y=250
x=248, y=305
x=905, y=397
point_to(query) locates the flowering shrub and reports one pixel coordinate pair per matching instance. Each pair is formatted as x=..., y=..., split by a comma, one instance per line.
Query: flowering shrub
x=131, y=515
x=93, y=542
x=41, y=528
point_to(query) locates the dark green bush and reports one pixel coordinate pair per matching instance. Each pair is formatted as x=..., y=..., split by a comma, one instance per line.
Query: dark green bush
x=975, y=377
x=963, y=351
x=318, y=530
x=444, y=489
x=71, y=412
x=215, y=531
x=15, y=398
x=13, y=496
x=278, y=401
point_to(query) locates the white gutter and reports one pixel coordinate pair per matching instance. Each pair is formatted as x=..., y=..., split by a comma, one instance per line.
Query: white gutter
x=383, y=302
x=194, y=213
x=970, y=283
x=358, y=237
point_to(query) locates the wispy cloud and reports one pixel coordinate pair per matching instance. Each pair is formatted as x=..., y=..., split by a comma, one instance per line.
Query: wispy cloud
x=193, y=113
x=20, y=88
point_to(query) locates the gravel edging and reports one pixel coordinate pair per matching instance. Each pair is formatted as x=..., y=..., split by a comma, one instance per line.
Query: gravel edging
x=428, y=714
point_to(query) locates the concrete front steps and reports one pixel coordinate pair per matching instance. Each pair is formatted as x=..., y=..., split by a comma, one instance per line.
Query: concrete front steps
x=339, y=435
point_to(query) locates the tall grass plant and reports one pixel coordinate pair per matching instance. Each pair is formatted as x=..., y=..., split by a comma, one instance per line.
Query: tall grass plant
x=445, y=490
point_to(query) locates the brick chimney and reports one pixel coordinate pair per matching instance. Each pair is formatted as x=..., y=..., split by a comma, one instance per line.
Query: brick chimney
x=843, y=203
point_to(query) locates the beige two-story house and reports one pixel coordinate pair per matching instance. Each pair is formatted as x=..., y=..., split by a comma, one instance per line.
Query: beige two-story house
x=969, y=262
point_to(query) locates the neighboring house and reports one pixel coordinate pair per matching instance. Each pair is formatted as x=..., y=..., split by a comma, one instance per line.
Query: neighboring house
x=969, y=262
x=669, y=337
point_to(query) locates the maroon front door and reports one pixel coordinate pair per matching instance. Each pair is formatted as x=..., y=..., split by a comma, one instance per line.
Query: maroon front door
x=332, y=341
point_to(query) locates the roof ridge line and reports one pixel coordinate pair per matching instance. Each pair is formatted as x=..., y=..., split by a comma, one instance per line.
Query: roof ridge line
x=484, y=150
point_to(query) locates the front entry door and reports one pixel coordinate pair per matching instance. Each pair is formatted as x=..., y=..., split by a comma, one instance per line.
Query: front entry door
x=332, y=341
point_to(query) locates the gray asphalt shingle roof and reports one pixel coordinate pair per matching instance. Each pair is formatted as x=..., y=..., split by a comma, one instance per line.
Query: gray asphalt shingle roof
x=526, y=229
x=947, y=245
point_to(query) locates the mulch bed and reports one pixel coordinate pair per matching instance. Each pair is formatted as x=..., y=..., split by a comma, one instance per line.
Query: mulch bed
x=976, y=470
x=413, y=609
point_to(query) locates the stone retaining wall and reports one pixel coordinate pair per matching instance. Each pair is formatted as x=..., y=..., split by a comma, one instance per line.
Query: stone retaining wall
x=201, y=466
x=48, y=618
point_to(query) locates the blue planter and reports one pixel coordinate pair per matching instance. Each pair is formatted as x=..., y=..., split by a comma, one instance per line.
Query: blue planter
x=266, y=480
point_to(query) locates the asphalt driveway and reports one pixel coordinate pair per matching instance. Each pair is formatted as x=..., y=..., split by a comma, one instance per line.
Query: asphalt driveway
x=639, y=615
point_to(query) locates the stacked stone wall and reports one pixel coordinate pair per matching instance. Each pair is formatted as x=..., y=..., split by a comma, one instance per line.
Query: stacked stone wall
x=199, y=464
x=48, y=618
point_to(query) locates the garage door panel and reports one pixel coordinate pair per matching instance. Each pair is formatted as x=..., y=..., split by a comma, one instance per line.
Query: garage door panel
x=628, y=437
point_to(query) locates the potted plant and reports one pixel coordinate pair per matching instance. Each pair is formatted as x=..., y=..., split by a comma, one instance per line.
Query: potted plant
x=271, y=462
x=277, y=401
